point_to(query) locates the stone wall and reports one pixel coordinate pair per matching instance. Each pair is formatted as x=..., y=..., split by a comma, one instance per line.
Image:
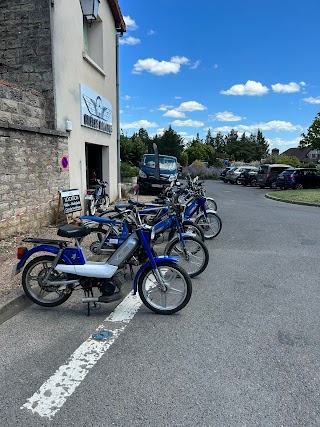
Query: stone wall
x=31, y=174
x=26, y=50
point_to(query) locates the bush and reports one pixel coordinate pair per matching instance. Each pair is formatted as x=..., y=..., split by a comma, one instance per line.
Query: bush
x=128, y=171
x=199, y=169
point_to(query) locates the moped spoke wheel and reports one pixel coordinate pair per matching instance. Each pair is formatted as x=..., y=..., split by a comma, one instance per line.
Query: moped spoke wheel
x=35, y=286
x=95, y=246
x=211, y=225
x=211, y=204
x=187, y=227
x=169, y=296
x=104, y=202
x=92, y=207
x=193, y=258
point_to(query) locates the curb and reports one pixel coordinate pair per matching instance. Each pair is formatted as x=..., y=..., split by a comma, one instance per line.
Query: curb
x=12, y=303
x=268, y=196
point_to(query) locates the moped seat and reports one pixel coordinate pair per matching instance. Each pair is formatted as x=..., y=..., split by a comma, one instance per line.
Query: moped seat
x=71, y=231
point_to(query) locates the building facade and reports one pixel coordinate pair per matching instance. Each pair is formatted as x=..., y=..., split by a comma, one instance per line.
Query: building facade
x=71, y=61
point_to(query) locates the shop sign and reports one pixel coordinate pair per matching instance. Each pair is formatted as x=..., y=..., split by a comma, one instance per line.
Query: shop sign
x=96, y=111
x=71, y=201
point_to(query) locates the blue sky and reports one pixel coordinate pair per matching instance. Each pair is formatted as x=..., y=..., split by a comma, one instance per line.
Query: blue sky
x=220, y=64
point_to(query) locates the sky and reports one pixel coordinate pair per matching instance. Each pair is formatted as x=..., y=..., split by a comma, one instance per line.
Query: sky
x=220, y=65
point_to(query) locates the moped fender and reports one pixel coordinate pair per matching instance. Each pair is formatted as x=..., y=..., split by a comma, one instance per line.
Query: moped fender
x=158, y=260
x=40, y=248
x=189, y=234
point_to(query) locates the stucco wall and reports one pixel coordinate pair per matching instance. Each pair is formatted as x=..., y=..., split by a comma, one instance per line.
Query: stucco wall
x=30, y=168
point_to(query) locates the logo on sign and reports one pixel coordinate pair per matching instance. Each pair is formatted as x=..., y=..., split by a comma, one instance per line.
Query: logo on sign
x=96, y=112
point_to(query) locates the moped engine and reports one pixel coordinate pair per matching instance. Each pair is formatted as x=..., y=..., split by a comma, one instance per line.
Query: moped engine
x=108, y=287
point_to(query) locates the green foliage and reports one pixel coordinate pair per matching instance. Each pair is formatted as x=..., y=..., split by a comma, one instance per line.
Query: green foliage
x=170, y=143
x=132, y=149
x=184, y=159
x=128, y=171
x=200, y=151
x=312, y=138
x=290, y=160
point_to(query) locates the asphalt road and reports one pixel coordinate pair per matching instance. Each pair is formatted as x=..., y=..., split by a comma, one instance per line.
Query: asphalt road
x=244, y=352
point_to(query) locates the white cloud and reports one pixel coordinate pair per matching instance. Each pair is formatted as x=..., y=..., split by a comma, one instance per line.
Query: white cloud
x=164, y=107
x=195, y=65
x=174, y=113
x=273, y=125
x=191, y=106
x=226, y=116
x=127, y=97
x=215, y=66
x=130, y=23
x=131, y=41
x=251, y=88
x=283, y=144
x=151, y=33
x=188, y=123
x=312, y=100
x=160, y=68
x=286, y=88
x=138, y=124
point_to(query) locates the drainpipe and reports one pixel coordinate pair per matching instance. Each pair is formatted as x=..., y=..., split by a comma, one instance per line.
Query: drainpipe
x=118, y=115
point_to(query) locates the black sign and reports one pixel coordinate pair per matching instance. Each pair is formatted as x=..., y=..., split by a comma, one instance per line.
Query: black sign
x=71, y=201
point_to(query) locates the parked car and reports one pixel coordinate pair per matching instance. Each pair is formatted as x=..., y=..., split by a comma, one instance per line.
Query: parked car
x=298, y=178
x=267, y=174
x=248, y=177
x=223, y=174
x=233, y=174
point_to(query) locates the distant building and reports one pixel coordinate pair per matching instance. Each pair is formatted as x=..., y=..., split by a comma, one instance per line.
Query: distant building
x=305, y=155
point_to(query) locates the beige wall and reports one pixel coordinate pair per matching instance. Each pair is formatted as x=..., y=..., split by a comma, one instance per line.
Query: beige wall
x=71, y=69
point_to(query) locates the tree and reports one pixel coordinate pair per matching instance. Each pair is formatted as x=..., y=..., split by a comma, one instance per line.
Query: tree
x=200, y=151
x=170, y=143
x=290, y=160
x=312, y=138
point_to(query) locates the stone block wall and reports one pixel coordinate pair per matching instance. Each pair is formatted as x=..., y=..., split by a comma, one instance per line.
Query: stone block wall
x=31, y=173
x=26, y=49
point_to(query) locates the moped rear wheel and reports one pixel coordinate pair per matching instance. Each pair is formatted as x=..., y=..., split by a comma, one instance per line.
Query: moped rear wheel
x=104, y=202
x=92, y=208
x=174, y=297
x=211, y=225
x=35, y=287
x=196, y=257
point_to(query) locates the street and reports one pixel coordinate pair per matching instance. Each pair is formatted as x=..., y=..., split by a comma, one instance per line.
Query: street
x=245, y=351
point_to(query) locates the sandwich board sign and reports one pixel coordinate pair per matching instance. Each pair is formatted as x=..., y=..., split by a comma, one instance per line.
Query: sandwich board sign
x=71, y=201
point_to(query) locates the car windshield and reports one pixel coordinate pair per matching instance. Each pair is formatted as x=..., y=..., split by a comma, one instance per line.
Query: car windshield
x=165, y=163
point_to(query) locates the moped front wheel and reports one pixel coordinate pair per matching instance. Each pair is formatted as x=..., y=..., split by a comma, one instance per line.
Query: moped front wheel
x=167, y=297
x=194, y=258
x=35, y=286
x=211, y=225
x=188, y=226
x=211, y=204
x=104, y=202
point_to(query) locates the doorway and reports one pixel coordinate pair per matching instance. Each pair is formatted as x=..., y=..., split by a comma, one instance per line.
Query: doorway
x=93, y=163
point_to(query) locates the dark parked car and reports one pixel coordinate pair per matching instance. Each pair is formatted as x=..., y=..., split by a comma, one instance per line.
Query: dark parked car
x=267, y=174
x=248, y=177
x=223, y=174
x=298, y=178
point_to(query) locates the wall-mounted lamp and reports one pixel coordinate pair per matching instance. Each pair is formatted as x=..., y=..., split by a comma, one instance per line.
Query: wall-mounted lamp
x=68, y=126
x=90, y=9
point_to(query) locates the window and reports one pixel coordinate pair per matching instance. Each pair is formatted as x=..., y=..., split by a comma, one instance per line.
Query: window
x=93, y=41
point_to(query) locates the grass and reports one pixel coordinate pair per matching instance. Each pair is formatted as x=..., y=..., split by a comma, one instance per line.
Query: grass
x=298, y=196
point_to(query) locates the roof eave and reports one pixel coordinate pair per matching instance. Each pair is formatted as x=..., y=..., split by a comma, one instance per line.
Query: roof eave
x=117, y=16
